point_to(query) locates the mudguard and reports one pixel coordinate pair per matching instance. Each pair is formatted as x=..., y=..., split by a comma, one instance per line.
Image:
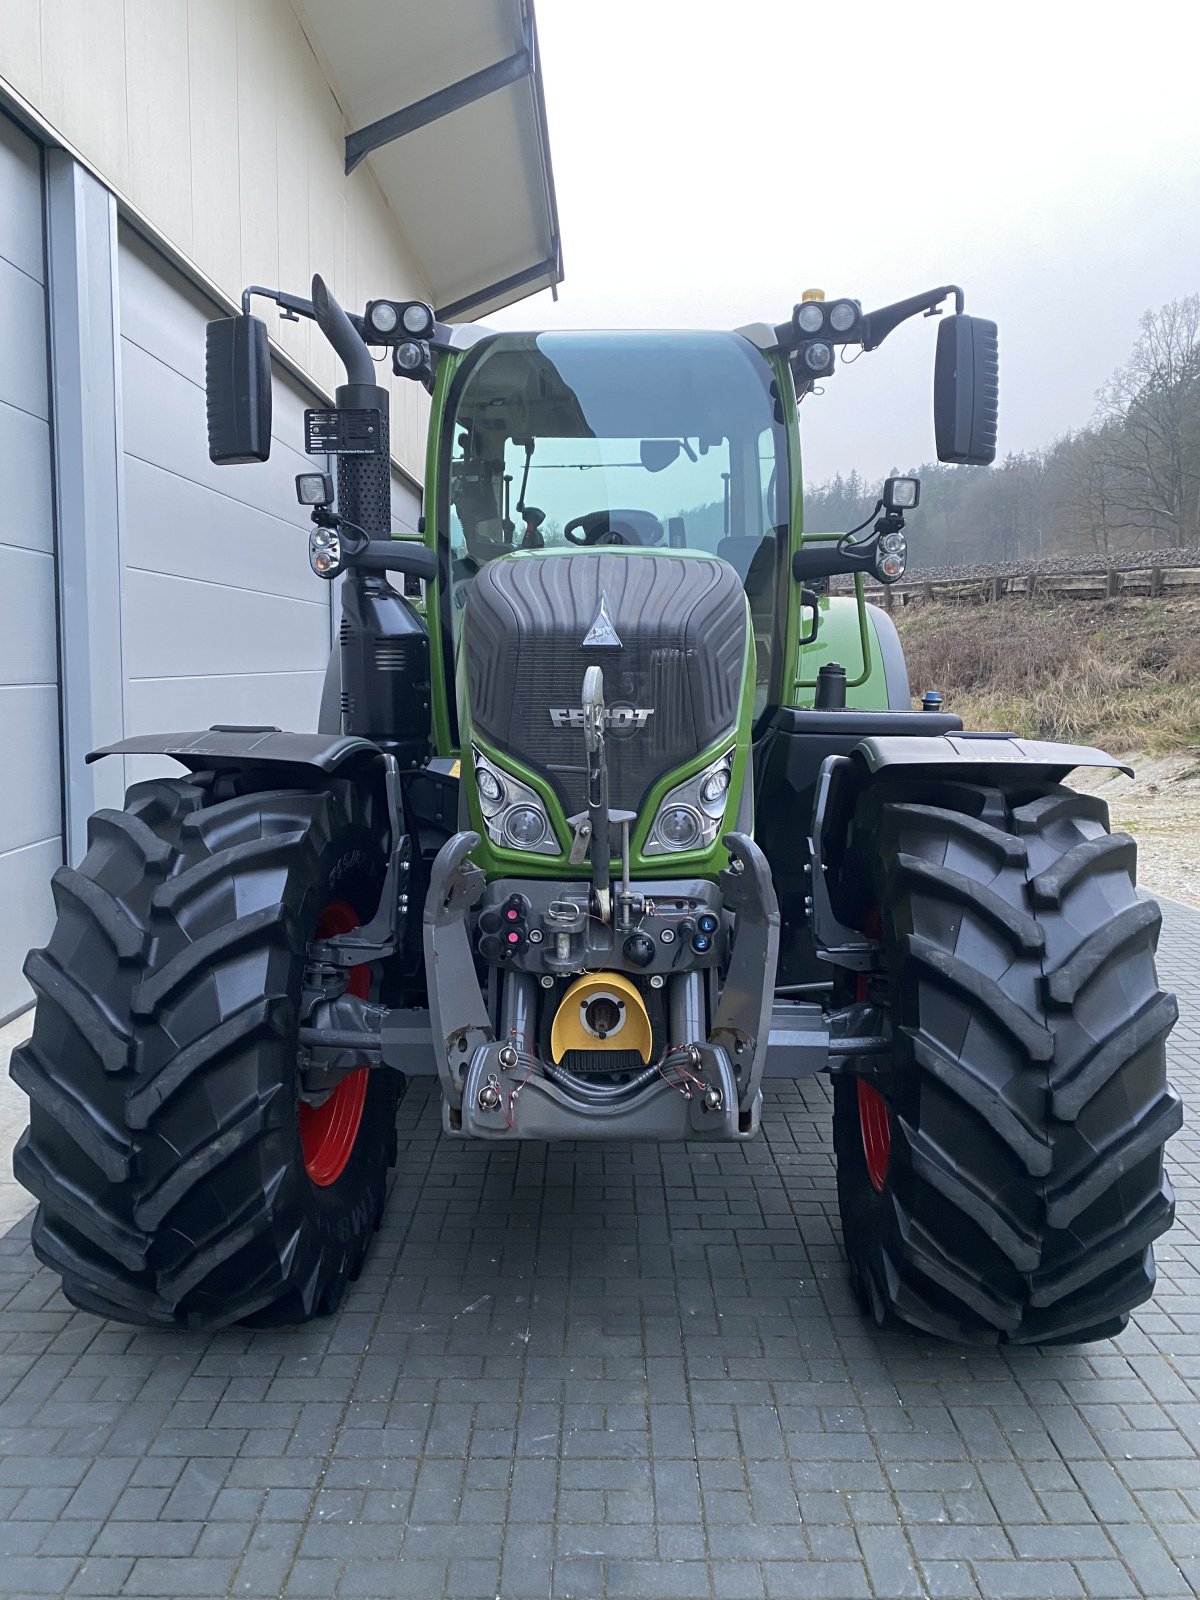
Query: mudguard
x=980, y=751
x=981, y=757
x=246, y=747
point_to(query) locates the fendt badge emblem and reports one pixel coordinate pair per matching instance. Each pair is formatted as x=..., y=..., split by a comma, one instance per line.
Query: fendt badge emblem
x=617, y=719
x=602, y=635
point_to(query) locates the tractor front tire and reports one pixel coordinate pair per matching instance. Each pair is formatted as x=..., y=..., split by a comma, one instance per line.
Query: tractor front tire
x=1000, y=1175
x=181, y=1179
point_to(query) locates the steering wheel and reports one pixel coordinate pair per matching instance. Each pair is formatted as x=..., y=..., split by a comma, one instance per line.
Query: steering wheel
x=614, y=527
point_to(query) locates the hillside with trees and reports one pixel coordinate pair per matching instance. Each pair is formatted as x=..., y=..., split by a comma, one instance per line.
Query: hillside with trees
x=1131, y=480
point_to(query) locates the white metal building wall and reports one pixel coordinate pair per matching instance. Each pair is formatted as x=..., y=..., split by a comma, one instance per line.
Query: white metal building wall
x=179, y=594
x=30, y=769
x=222, y=620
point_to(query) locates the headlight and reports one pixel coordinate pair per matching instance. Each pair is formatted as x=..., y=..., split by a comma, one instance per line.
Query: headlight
x=324, y=552
x=892, y=558
x=817, y=356
x=314, y=488
x=678, y=827
x=513, y=813
x=418, y=320
x=524, y=826
x=843, y=314
x=715, y=787
x=383, y=317
x=690, y=815
x=490, y=787
x=902, y=494
x=810, y=317
x=410, y=356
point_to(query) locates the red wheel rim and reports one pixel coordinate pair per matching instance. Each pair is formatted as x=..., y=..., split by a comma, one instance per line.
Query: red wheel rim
x=874, y=1117
x=875, y=1121
x=328, y=1131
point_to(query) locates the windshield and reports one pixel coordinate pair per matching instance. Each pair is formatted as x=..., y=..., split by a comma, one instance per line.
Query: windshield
x=661, y=440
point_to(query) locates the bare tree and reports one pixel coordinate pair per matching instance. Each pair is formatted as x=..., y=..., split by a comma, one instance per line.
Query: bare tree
x=1089, y=475
x=1154, y=449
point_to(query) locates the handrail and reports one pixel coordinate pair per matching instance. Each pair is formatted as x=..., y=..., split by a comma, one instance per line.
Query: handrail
x=864, y=636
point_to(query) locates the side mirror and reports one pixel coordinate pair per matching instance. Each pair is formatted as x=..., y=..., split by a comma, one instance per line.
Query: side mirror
x=237, y=388
x=966, y=388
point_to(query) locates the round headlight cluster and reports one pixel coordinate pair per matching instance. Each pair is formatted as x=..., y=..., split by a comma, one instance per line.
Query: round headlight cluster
x=835, y=316
x=386, y=318
x=892, y=557
x=690, y=815
x=513, y=813
x=818, y=355
x=324, y=552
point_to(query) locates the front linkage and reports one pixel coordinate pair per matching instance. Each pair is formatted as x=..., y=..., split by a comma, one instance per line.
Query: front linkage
x=704, y=1084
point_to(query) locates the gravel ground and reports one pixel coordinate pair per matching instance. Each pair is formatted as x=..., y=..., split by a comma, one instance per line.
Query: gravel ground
x=1160, y=807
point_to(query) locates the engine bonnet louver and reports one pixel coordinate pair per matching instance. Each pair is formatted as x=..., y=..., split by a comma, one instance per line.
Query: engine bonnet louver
x=681, y=623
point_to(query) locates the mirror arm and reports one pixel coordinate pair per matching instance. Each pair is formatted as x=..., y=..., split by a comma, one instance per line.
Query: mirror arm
x=878, y=324
x=294, y=305
x=291, y=305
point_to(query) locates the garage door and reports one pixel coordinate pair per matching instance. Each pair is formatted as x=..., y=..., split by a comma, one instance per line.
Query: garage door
x=30, y=772
x=222, y=620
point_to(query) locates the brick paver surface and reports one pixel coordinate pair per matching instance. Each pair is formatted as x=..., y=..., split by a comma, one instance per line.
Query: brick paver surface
x=622, y=1371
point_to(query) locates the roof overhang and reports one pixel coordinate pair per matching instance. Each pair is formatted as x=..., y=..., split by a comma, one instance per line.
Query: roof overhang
x=444, y=101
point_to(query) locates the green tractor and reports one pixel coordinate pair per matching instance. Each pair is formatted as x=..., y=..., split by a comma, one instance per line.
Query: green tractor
x=615, y=814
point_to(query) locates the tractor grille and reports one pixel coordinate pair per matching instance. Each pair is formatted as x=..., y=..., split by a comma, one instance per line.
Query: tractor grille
x=682, y=625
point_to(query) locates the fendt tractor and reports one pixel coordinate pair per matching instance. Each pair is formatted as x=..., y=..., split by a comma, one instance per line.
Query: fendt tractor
x=616, y=814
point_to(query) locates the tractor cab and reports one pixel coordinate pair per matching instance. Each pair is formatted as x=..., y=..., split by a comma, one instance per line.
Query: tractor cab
x=664, y=442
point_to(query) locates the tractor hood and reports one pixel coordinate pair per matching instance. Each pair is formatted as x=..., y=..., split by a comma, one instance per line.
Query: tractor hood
x=669, y=631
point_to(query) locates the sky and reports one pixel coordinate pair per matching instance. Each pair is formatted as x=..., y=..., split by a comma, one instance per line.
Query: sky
x=714, y=158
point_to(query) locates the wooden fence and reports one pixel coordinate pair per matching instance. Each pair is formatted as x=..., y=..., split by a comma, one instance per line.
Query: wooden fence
x=971, y=589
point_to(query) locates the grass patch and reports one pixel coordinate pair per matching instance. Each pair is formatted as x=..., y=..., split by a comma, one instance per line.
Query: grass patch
x=1119, y=673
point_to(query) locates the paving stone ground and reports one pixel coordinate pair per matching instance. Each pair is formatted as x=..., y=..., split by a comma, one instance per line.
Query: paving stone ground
x=623, y=1371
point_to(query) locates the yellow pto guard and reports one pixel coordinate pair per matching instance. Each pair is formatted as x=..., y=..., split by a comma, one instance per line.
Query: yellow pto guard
x=601, y=1011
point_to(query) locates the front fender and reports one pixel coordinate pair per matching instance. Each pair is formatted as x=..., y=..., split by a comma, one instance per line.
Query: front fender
x=991, y=758
x=245, y=748
x=983, y=754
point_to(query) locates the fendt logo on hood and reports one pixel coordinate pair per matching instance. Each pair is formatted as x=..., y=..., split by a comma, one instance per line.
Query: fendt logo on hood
x=617, y=719
x=602, y=635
